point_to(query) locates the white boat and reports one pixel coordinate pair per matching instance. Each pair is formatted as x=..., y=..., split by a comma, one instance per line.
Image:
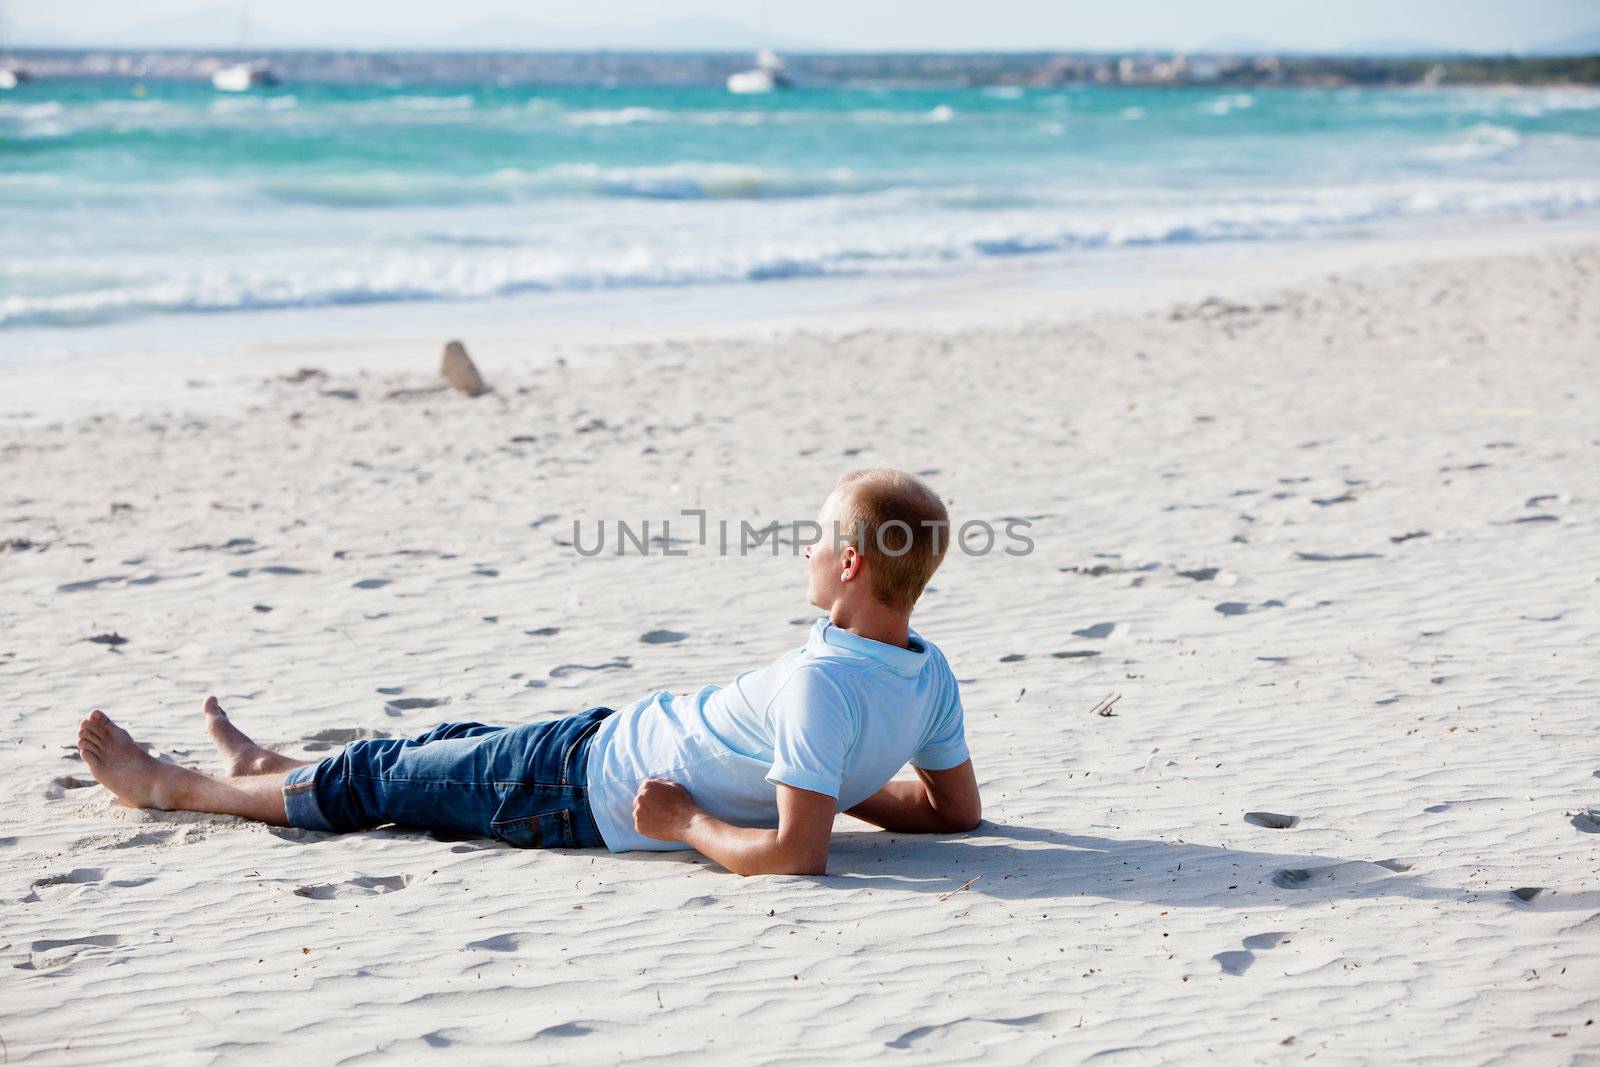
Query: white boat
x=767, y=75
x=11, y=75
x=242, y=77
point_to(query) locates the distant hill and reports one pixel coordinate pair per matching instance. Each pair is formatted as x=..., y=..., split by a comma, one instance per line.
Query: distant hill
x=1577, y=44
x=668, y=35
x=1394, y=46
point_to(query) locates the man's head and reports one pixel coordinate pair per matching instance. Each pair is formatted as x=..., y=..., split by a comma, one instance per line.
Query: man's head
x=884, y=533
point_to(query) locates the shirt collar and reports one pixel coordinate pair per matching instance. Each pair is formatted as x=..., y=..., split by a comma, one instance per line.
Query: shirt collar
x=827, y=639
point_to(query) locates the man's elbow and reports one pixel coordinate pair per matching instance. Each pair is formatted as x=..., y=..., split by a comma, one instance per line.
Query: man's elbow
x=787, y=861
x=964, y=821
x=810, y=867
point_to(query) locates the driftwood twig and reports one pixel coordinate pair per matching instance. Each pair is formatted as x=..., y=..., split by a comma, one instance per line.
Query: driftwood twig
x=1107, y=702
x=964, y=885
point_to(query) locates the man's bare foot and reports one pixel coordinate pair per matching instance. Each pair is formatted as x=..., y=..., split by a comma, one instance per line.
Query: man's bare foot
x=138, y=779
x=240, y=755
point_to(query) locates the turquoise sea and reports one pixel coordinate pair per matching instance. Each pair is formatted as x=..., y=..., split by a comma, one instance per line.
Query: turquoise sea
x=173, y=199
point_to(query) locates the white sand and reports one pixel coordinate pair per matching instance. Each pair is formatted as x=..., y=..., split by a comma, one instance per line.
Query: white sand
x=1426, y=708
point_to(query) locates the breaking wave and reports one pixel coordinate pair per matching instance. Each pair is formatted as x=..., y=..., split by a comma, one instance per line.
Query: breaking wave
x=467, y=267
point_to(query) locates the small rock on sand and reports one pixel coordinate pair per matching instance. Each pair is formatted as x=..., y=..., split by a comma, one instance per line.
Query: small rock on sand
x=458, y=369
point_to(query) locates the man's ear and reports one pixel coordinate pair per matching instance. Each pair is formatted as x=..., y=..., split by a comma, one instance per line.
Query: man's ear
x=850, y=563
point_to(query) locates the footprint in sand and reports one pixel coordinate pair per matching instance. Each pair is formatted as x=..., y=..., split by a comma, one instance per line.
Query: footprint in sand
x=238, y=546
x=1587, y=821
x=1270, y=939
x=345, y=734
x=45, y=954
x=1335, y=557
x=1351, y=872
x=145, y=837
x=497, y=943
x=279, y=570
x=360, y=886
x=1527, y=894
x=91, y=583
x=58, y=786
x=76, y=876
x=371, y=583
x=620, y=663
x=1271, y=820
x=969, y=1027
x=323, y=740
x=1236, y=961
x=1098, y=632
x=662, y=637
x=1235, y=607
x=51, y=884
x=395, y=707
x=1200, y=574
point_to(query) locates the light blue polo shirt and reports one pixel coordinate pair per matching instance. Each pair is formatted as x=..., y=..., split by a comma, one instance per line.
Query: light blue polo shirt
x=840, y=715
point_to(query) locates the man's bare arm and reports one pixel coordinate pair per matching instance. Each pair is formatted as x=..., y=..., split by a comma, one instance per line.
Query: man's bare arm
x=935, y=802
x=665, y=811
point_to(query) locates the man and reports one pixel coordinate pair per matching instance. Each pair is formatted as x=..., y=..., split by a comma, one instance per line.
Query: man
x=750, y=774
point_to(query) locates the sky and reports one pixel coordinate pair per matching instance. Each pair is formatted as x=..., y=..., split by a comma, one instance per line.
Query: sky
x=897, y=25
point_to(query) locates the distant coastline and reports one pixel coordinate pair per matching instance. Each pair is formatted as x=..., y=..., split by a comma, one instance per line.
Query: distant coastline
x=829, y=70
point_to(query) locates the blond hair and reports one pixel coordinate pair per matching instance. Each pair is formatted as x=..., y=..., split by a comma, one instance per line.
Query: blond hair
x=899, y=525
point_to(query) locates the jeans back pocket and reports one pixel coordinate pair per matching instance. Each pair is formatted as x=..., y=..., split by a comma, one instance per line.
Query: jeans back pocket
x=551, y=829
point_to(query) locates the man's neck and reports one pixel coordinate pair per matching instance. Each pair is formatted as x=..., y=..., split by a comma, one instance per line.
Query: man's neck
x=873, y=621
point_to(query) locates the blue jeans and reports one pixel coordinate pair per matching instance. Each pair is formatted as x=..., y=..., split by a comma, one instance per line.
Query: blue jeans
x=525, y=785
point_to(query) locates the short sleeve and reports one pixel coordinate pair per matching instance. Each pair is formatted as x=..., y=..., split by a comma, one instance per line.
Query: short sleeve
x=813, y=729
x=946, y=746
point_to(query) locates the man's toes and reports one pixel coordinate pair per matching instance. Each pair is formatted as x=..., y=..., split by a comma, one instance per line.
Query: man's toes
x=214, y=708
x=98, y=716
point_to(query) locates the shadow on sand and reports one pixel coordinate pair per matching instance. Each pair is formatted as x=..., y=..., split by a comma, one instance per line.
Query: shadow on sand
x=1016, y=862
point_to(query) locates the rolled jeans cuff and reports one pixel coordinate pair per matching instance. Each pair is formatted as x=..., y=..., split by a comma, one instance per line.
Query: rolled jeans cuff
x=300, y=800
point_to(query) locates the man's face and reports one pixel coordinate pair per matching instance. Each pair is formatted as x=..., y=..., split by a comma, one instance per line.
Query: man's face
x=822, y=559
